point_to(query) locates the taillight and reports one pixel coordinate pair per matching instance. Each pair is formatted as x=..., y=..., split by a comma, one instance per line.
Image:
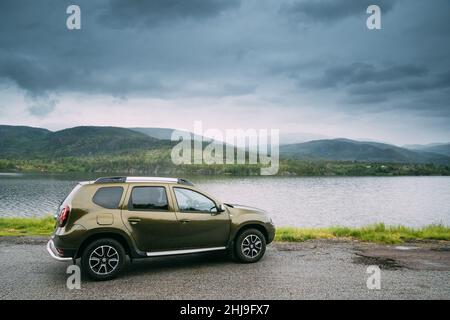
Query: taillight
x=63, y=216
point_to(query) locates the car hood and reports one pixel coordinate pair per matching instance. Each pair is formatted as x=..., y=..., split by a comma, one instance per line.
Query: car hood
x=242, y=208
x=243, y=214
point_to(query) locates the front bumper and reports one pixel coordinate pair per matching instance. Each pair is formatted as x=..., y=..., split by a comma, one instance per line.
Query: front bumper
x=270, y=232
x=51, y=249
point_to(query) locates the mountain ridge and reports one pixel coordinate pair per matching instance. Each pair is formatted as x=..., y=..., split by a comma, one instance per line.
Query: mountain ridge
x=342, y=149
x=440, y=148
x=29, y=142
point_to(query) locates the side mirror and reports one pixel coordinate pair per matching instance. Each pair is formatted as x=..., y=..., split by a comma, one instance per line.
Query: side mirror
x=219, y=209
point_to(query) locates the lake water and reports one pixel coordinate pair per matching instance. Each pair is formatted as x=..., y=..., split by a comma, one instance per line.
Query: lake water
x=310, y=202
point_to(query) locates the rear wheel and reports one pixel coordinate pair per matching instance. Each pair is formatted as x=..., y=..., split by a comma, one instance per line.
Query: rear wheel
x=103, y=259
x=250, y=246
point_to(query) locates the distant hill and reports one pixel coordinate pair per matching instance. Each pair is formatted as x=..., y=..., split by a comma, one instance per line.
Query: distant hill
x=164, y=133
x=158, y=133
x=19, y=142
x=26, y=142
x=351, y=150
x=16, y=141
x=440, y=148
x=285, y=138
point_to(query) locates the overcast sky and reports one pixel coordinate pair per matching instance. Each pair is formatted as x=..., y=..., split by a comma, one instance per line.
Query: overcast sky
x=306, y=67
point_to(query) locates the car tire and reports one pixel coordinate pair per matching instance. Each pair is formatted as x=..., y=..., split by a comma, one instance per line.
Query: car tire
x=250, y=246
x=103, y=259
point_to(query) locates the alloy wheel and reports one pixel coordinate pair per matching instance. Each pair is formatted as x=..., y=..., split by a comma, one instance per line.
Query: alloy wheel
x=251, y=246
x=103, y=260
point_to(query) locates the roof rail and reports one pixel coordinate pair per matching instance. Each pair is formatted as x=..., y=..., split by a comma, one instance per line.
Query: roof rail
x=143, y=179
x=185, y=182
x=151, y=179
x=110, y=179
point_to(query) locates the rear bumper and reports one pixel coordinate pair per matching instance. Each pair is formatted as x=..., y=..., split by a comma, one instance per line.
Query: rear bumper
x=51, y=249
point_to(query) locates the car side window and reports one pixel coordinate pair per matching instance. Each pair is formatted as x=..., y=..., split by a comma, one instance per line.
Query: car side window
x=192, y=201
x=108, y=197
x=148, y=199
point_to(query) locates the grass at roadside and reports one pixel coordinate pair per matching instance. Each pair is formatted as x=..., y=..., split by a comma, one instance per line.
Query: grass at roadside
x=373, y=233
x=379, y=233
x=26, y=226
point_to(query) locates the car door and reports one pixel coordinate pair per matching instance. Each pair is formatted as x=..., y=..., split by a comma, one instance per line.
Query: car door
x=151, y=218
x=201, y=224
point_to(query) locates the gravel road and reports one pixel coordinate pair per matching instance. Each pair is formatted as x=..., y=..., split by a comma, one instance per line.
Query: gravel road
x=310, y=270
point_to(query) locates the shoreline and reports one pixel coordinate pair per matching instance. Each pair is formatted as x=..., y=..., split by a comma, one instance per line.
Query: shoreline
x=144, y=164
x=375, y=233
x=285, y=245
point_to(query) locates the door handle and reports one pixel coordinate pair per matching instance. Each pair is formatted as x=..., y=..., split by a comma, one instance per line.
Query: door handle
x=183, y=221
x=134, y=220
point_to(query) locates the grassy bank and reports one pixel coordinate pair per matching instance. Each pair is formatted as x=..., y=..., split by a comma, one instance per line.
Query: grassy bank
x=373, y=233
x=26, y=226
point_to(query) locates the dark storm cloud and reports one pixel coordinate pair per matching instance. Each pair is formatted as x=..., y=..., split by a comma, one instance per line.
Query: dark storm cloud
x=428, y=95
x=435, y=82
x=144, y=13
x=368, y=85
x=206, y=49
x=59, y=75
x=29, y=73
x=330, y=10
x=41, y=56
x=357, y=73
x=41, y=106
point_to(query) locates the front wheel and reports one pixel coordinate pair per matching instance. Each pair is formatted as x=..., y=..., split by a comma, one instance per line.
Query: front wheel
x=103, y=259
x=250, y=246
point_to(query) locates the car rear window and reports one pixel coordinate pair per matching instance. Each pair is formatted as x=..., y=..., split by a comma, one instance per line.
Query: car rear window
x=149, y=198
x=108, y=197
x=68, y=198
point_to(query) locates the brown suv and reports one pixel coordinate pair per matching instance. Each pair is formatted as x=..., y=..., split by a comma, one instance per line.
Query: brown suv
x=104, y=220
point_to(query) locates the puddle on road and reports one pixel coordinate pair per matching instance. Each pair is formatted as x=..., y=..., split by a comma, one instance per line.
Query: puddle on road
x=383, y=263
x=405, y=248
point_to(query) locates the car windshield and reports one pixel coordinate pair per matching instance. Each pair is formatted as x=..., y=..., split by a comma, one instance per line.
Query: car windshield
x=189, y=200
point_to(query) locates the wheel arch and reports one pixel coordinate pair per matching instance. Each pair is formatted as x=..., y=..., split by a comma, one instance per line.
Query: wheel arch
x=103, y=234
x=252, y=225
